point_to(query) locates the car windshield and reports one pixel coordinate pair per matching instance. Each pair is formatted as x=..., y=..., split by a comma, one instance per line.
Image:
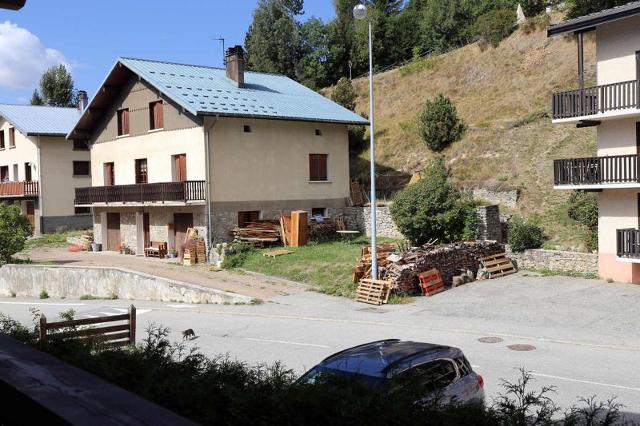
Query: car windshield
x=313, y=375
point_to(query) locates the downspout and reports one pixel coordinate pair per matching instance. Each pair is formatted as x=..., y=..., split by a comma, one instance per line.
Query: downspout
x=207, y=165
x=40, y=204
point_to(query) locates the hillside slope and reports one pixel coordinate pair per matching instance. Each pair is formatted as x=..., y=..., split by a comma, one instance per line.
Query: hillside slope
x=504, y=95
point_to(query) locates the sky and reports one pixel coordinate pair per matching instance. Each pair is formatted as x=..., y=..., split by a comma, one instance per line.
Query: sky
x=89, y=35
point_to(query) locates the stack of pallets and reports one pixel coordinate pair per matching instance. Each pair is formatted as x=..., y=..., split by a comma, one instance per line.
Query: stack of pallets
x=497, y=265
x=431, y=282
x=362, y=269
x=374, y=292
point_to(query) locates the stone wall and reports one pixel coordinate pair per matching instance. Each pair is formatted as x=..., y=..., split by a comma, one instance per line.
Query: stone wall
x=506, y=198
x=488, y=225
x=55, y=223
x=359, y=218
x=555, y=260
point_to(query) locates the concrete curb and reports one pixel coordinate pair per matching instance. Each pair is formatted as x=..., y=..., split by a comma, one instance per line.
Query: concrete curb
x=75, y=281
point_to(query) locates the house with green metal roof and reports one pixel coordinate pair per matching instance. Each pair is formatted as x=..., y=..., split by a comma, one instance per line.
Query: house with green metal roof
x=40, y=168
x=177, y=146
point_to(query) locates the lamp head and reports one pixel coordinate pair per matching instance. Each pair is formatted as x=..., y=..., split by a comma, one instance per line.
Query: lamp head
x=360, y=11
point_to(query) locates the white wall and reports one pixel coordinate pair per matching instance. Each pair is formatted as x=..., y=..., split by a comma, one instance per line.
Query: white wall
x=617, y=137
x=617, y=43
x=25, y=151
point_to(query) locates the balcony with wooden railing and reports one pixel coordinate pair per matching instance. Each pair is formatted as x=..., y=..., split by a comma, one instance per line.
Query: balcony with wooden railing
x=597, y=100
x=628, y=243
x=164, y=192
x=621, y=170
x=19, y=189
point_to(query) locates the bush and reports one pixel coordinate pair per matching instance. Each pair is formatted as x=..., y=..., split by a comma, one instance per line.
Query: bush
x=533, y=8
x=14, y=231
x=524, y=235
x=439, y=125
x=583, y=208
x=432, y=208
x=344, y=94
x=492, y=27
x=237, y=255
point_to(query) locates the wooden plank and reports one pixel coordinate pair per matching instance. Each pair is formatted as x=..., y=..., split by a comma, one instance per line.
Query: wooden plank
x=100, y=330
x=132, y=324
x=276, y=253
x=110, y=337
x=86, y=321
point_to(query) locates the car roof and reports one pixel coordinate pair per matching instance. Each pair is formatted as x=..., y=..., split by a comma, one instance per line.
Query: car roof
x=378, y=358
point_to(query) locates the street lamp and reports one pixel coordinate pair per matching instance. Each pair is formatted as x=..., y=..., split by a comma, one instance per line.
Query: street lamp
x=360, y=13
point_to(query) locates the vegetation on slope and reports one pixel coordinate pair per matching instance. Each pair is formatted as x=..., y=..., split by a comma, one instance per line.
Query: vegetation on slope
x=504, y=95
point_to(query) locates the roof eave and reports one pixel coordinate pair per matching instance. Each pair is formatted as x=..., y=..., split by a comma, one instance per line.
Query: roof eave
x=269, y=117
x=590, y=24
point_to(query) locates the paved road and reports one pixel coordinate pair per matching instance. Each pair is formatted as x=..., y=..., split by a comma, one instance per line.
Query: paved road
x=584, y=332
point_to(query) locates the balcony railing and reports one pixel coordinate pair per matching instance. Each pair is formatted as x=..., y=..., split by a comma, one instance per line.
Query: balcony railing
x=192, y=190
x=628, y=243
x=595, y=100
x=19, y=189
x=596, y=170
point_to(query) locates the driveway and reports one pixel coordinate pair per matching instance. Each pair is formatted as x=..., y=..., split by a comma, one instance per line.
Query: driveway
x=578, y=335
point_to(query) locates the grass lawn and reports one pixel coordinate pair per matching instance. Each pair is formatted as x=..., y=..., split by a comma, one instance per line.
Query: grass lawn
x=328, y=266
x=58, y=239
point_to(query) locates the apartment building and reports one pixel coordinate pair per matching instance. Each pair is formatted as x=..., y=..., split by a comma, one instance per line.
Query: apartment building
x=613, y=106
x=40, y=169
x=175, y=146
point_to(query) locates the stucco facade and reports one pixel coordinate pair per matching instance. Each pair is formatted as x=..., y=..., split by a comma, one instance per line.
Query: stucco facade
x=45, y=161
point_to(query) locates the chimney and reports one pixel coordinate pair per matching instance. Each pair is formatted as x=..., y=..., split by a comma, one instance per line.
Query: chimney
x=234, y=59
x=83, y=100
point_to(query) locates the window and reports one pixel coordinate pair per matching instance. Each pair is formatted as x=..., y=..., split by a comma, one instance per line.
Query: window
x=80, y=145
x=247, y=217
x=318, y=167
x=27, y=172
x=12, y=137
x=82, y=210
x=15, y=173
x=318, y=211
x=123, y=122
x=4, y=174
x=82, y=168
x=318, y=132
x=109, y=174
x=2, y=139
x=247, y=129
x=180, y=168
x=156, y=115
x=141, y=171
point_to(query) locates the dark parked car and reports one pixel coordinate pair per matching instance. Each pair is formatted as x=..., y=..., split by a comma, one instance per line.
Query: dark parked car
x=439, y=370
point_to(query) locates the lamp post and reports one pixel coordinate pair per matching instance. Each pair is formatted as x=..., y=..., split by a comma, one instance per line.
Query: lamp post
x=360, y=13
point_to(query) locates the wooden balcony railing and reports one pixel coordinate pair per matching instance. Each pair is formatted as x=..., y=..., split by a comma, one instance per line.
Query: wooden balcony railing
x=193, y=190
x=596, y=170
x=628, y=243
x=19, y=189
x=594, y=100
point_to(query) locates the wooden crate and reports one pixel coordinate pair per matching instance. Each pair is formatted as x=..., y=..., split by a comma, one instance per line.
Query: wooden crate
x=498, y=265
x=374, y=292
x=299, y=228
x=189, y=258
x=431, y=282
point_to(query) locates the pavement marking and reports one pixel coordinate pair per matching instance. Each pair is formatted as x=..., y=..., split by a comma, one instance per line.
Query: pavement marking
x=180, y=306
x=42, y=303
x=589, y=382
x=285, y=342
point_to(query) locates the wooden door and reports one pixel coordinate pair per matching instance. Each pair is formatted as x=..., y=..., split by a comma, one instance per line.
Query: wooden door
x=31, y=212
x=27, y=172
x=113, y=232
x=180, y=167
x=145, y=228
x=181, y=222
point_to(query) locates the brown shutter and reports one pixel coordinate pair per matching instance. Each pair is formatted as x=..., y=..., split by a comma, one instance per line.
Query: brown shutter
x=158, y=115
x=125, y=121
x=180, y=165
x=322, y=167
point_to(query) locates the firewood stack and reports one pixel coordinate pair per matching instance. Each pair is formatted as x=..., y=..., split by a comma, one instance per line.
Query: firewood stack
x=363, y=267
x=322, y=231
x=263, y=231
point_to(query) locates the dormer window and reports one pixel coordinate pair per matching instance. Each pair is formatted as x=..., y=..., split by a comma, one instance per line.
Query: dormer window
x=123, y=122
x=156, y=115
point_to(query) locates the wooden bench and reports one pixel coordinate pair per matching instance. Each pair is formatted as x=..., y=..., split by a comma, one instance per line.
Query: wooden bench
x=156, y=249
x=111, y=336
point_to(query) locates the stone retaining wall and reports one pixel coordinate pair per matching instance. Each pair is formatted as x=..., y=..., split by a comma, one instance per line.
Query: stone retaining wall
x=77, y=281
x=506, y=198
x=556, y=260
x=359, y=218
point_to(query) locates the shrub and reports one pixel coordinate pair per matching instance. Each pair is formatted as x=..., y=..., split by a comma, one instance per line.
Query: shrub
x=533, y=8
x=583, y=208
x=495, y=25
x=432, y=208
x=438, y=123
x=344, y=94
x=237, y=255
x=44, y=294
x=14, y=231
x=524, y=235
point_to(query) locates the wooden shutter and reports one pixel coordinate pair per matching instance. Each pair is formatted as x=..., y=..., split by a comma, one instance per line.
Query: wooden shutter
x=109, y=174
x=123, y=122
x=158, y=115
x=180, y=167
x=318, y=167
x=12, y=137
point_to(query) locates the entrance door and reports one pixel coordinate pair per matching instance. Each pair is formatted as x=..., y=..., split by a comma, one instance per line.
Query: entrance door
x=145, y=229
x=113, y=232
x=31, y=212
x=181, y=222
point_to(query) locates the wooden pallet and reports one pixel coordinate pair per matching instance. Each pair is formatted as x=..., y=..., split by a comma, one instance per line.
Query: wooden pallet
x=498, y=265
x=374, y=292
x=276, y=253
x=431, y=282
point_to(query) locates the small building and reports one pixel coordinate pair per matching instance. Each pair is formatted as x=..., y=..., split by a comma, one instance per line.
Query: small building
x=613, y=106
x=40, y=169
x=176, y=146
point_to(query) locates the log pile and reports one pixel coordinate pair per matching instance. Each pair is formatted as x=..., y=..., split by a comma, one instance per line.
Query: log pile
x=363, y=267
x=322, y=231
x=260, y=232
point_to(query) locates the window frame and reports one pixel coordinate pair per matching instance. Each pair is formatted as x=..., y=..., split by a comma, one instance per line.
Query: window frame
x=78, y=163
x=141, y=171
x=12, y=137
x=316, y=173
x=81, y=211
x=109, y=180
x=153, y=126
x=3, y=144
x=121, y=114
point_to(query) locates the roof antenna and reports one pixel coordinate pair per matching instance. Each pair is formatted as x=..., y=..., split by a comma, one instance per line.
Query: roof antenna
x=224, y=60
